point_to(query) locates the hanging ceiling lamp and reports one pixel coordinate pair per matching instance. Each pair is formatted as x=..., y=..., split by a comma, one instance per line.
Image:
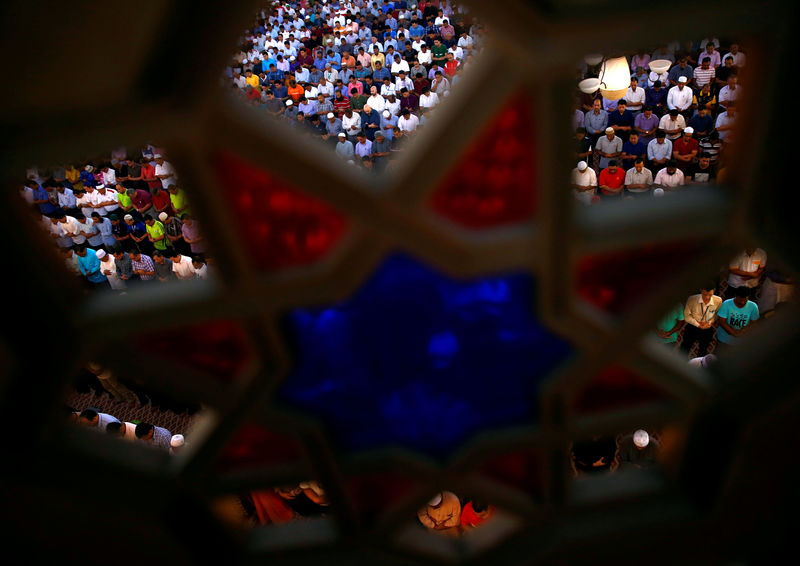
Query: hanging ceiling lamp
x=614, y=79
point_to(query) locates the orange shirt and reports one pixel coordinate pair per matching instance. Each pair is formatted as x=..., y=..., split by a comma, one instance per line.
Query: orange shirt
x=296, y=92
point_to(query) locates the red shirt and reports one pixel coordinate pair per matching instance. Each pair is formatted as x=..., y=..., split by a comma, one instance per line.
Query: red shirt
x=160, y=200
x=149, y=173
x=684, y=146
x=471, y=519
x=612, y=180
x=450, y=68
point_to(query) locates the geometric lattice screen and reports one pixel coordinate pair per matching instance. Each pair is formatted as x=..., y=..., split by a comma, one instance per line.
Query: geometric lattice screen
x=522, y=271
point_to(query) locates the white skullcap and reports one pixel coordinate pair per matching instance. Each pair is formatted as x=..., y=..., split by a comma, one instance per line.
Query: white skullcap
x=127, y=217
x=100, y=254
x=244, y=61
x=89, y=168
x=582, y=165
x=342, y=135
x=330, y=115
x=176, y=441
x=688, y=130
x=157, y=156
x=681, y=79
x=641, y=438
x=659, y=192
x=436, y=500
x=386, y=113
x=289, y=103
x=163, y=216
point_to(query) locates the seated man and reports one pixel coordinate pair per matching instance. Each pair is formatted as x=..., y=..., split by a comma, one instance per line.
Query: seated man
x=702, y=172
x=584, y=182
x=684, y=150
x=632, y=149
x=638, y=179
x=735, y=315
x=611, y=180
x=669, y=178
x=700, y=315
x=745, y=271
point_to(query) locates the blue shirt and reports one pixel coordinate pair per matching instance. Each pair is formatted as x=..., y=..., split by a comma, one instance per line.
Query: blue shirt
x=595, y=123
x=380, y=74
x=656, y=150
x=90, y=267
x=702, y=123
x=40, y=194
x=737, y=318
x=638, y=150
x=653, y=97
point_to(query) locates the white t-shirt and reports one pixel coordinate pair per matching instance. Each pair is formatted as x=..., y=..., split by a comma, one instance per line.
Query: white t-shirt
x=183, y=269
x=666, y=180
x=429, y=100
x=747, y=263
x=408, y=125
x=164, y=169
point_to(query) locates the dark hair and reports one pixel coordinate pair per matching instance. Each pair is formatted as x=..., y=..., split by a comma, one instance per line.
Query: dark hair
x=90, y=414
x=638, y=160
x=741, y=292
x=157, y=253
x=479, y=506
x=95, y=215
x=622, y=101
x=660, y=133
x=708, y=286
x=613, y=163
x=143, y=429
x=671, y=163
x=113, y=427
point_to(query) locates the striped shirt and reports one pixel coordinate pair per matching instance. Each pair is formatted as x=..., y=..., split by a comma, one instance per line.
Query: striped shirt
x=703, y=76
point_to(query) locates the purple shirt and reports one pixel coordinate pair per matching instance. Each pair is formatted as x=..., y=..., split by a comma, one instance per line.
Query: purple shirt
x=646, y=124
x=193, y=232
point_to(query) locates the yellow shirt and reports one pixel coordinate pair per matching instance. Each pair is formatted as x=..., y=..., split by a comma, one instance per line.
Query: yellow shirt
x=178, y=201
x=378, y=57
x=696, y=310
x=253, y=81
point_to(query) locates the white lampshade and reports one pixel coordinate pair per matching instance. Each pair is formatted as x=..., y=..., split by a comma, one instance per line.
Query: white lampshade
x=593, y=59
x=589, y=86
x=616, y=76
x=660, y=65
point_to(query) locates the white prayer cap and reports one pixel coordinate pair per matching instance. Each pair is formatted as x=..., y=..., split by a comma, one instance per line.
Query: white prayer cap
x=436, y=500
x=703, y=362
x=244, y=61
x=688, y=130
x=292, y=58
x=659, y=192
x=127, y=217
x=163, y=216
x=100, y=186
x=342, y=135
x=349, y=21
x=582, y=165
x=100, y=254
x=386, y=113
x=176, y=441
x=330, y=115
x=89, y=168
x=681, y=79
x=641, y=438
x=289, y=103
x=157, y=156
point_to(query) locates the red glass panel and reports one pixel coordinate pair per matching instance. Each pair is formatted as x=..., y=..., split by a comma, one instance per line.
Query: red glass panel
x=493, y=184
x=256, y=447
x=614, y=281
x=519, y=469
x=616, y=387
x=217, y=347
x=280, y=225
x=376, y=492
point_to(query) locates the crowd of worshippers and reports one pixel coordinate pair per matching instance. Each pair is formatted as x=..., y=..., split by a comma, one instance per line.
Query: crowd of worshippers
x=753, y=291
x=119, y=220
x=670, y=130
x=362, y=77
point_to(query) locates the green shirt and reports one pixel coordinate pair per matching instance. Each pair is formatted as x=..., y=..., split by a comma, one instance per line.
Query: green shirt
x=178, y=201
x=439, y=52
x=156, y=231
x=668, y=322
x=358, y=102
x=123, y=199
